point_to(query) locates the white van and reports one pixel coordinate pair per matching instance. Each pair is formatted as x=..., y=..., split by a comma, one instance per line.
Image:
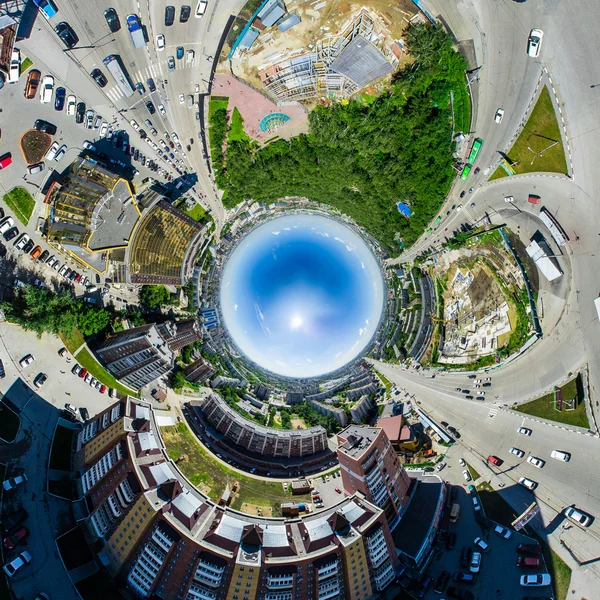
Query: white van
x=560, y=455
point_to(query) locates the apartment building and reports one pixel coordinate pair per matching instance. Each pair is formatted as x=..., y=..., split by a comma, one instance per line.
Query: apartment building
x=161, y=538
x=370, y=465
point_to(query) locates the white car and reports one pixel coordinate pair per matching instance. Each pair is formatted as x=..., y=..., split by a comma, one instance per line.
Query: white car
x=161, y=110
x=539, y=580
x=467, y=475
x=22, y=241
x=63, y=269
x=13, y=482
x=6, y=225
x=88, y=146
x=525, y=431
x=459, y=208
x=481, y=393
x=503, y=532
x=181, y=98
x=499, y=115
x=484, y=546
x=527, y=483
x=200, y=8
x=477, y=381
x=52, y=151
x=71, y=104
x=37, y=168
x=189, y=56
x=509, y=199
x=12, y=567
x=517, y=452
x=103, y=129
x=89, y=119
x=534, y=42
x=134, y=124
x=476, y=504
x=160, y=42
x=61, y=152
x=461, y=462
x=475, y=562
x=26, y=360
x=560, y=455
x=46, y=89
x=536, y=462
x=578, y=517
x=15, y=66
x=197, y=89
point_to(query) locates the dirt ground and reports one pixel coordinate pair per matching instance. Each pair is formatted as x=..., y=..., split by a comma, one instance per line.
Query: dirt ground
x=484, y=292
x=252, y=509
x=298, y=424
x=316, y=24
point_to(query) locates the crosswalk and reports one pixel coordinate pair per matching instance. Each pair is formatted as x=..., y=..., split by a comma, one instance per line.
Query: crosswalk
x=156, y=70
x=491, y=415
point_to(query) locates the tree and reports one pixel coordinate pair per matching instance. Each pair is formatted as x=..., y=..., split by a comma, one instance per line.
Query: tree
x=186, y=354
x=92, y=320
x=178, y=379
x=154, y=296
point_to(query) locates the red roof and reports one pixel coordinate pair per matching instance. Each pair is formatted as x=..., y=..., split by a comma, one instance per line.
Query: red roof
x=391, y=426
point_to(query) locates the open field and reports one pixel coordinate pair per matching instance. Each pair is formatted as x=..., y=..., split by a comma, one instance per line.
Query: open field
x=209, y=474
x=19, y=200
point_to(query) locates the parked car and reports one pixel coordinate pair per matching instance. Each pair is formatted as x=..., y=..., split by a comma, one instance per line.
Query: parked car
x=33, y=82
x=536, y=462
x=59, y=98
x=83, y=411
x=26, y=360
x=534, y=42
x=459, y=593
x=179, y=52
x=46, y=7
x=99, y=77
x=476, y=504
x=14, y=482
x=467, y=475
x=578, y=517
x=528, y=483
x=169, y=16
x=503, y=532
x=14, y=70
x=475, y=563
x=89, y=119
x=525, y=431
x=463, y=577
x=12, y=540
x=560, y=455
x=481, y=544
x=494, y=460
x=184, y=14
x=61, y=152
x=499, y=115
x=37, y=168
x=12, y=567
x=46, y=89
x=537, y=580
x=67, y=35
x=112, y=20
x=40, y=380
x=80, y=114
x=517, y=452
x=150, y=108
x=528, y=562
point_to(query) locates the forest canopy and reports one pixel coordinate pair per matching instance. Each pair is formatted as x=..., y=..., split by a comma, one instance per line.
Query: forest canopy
x=363, y=158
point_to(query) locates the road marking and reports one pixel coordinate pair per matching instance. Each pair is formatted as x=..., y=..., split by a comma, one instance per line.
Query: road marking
x=491, y=415
x=115, y=94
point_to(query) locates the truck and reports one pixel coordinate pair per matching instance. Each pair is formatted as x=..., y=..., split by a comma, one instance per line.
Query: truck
x=135, y=31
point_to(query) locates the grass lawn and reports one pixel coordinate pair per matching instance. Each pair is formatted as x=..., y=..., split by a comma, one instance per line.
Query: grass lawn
x=197, y=212
x=474, y=474
x=25, y=64
x=462, y=109
x=385, y=381
x=86, y=360
x=544, y=407
x=19, y=200
x=9, y=423
x=216, y=103
x=74, y=341
x=236, y=127
x=201, y=469
x=497, y=509
x=542, y=130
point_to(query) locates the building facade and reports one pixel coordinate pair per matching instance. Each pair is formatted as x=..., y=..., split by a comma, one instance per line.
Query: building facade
x=265, y=441
x=159, y=537
x=199, y=371
x=370, y=465
x=141, y=355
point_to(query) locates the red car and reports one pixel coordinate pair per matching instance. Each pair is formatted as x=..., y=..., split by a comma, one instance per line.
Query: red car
x=494, y=460
x=102, y=389
x=14, y=539
x=526, y=562
x=338, y=490
x=5, y=161
x=82, y=373
x=534, y=549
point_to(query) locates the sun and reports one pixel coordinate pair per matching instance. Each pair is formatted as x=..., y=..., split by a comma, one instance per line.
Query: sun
x=296, y=322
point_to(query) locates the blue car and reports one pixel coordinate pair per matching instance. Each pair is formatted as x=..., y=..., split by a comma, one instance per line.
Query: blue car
x=59, y=98
x=46, y=7
x=180, y=52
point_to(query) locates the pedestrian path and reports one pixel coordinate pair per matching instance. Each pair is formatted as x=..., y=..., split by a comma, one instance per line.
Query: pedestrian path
x=491, y=416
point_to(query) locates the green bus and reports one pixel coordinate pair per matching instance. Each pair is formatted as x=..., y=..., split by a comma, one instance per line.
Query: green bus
x=475, y=150
x=466, y=171
x=438, y=220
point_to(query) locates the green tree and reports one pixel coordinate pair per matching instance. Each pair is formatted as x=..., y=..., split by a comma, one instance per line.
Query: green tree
x=178, y=379
x=154, y=296
x=92, y=320
x=186, y=354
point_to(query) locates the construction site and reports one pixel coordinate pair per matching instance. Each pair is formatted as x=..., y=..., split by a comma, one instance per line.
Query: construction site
x=479, y=286
x=302, y=51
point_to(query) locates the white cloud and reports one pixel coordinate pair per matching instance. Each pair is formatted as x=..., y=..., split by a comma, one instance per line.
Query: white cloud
x=258, y=312
x=275, y=232
x=362, y=264
x=367, y=321
x=235, y=307
x=362, y=331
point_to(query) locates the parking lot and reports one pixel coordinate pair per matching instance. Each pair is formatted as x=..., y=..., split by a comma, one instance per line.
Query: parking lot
x=327, y=489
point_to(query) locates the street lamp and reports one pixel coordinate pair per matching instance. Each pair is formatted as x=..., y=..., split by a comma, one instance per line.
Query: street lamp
x=92, y=47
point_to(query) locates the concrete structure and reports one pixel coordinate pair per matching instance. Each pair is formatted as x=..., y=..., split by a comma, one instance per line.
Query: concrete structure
x=257, y=439
x=140, y=355
x=159, y=537
x=339, y=414
x=227, y=382
x=370, y=465
x=361, y=409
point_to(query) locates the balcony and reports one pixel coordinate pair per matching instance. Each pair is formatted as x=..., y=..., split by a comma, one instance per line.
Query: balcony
x=384, y=576
x=328, y=570
x=198, y=593
x=162, y=540
x=330, y=591
x=280, y=581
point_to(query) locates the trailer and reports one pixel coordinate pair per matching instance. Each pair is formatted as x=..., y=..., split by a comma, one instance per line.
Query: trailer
x=135, y=31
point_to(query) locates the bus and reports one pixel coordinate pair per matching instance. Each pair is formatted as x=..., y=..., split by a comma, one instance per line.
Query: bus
x=438, y=220
x=466, y=171
x=475, y=150
x=112, y=63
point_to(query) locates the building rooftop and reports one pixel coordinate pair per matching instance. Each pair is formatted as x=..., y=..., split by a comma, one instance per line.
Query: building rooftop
x=392, y=427
x=412, y=530
x=355, y=440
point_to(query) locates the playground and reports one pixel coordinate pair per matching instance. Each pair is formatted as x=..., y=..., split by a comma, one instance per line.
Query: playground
x=263, y=119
